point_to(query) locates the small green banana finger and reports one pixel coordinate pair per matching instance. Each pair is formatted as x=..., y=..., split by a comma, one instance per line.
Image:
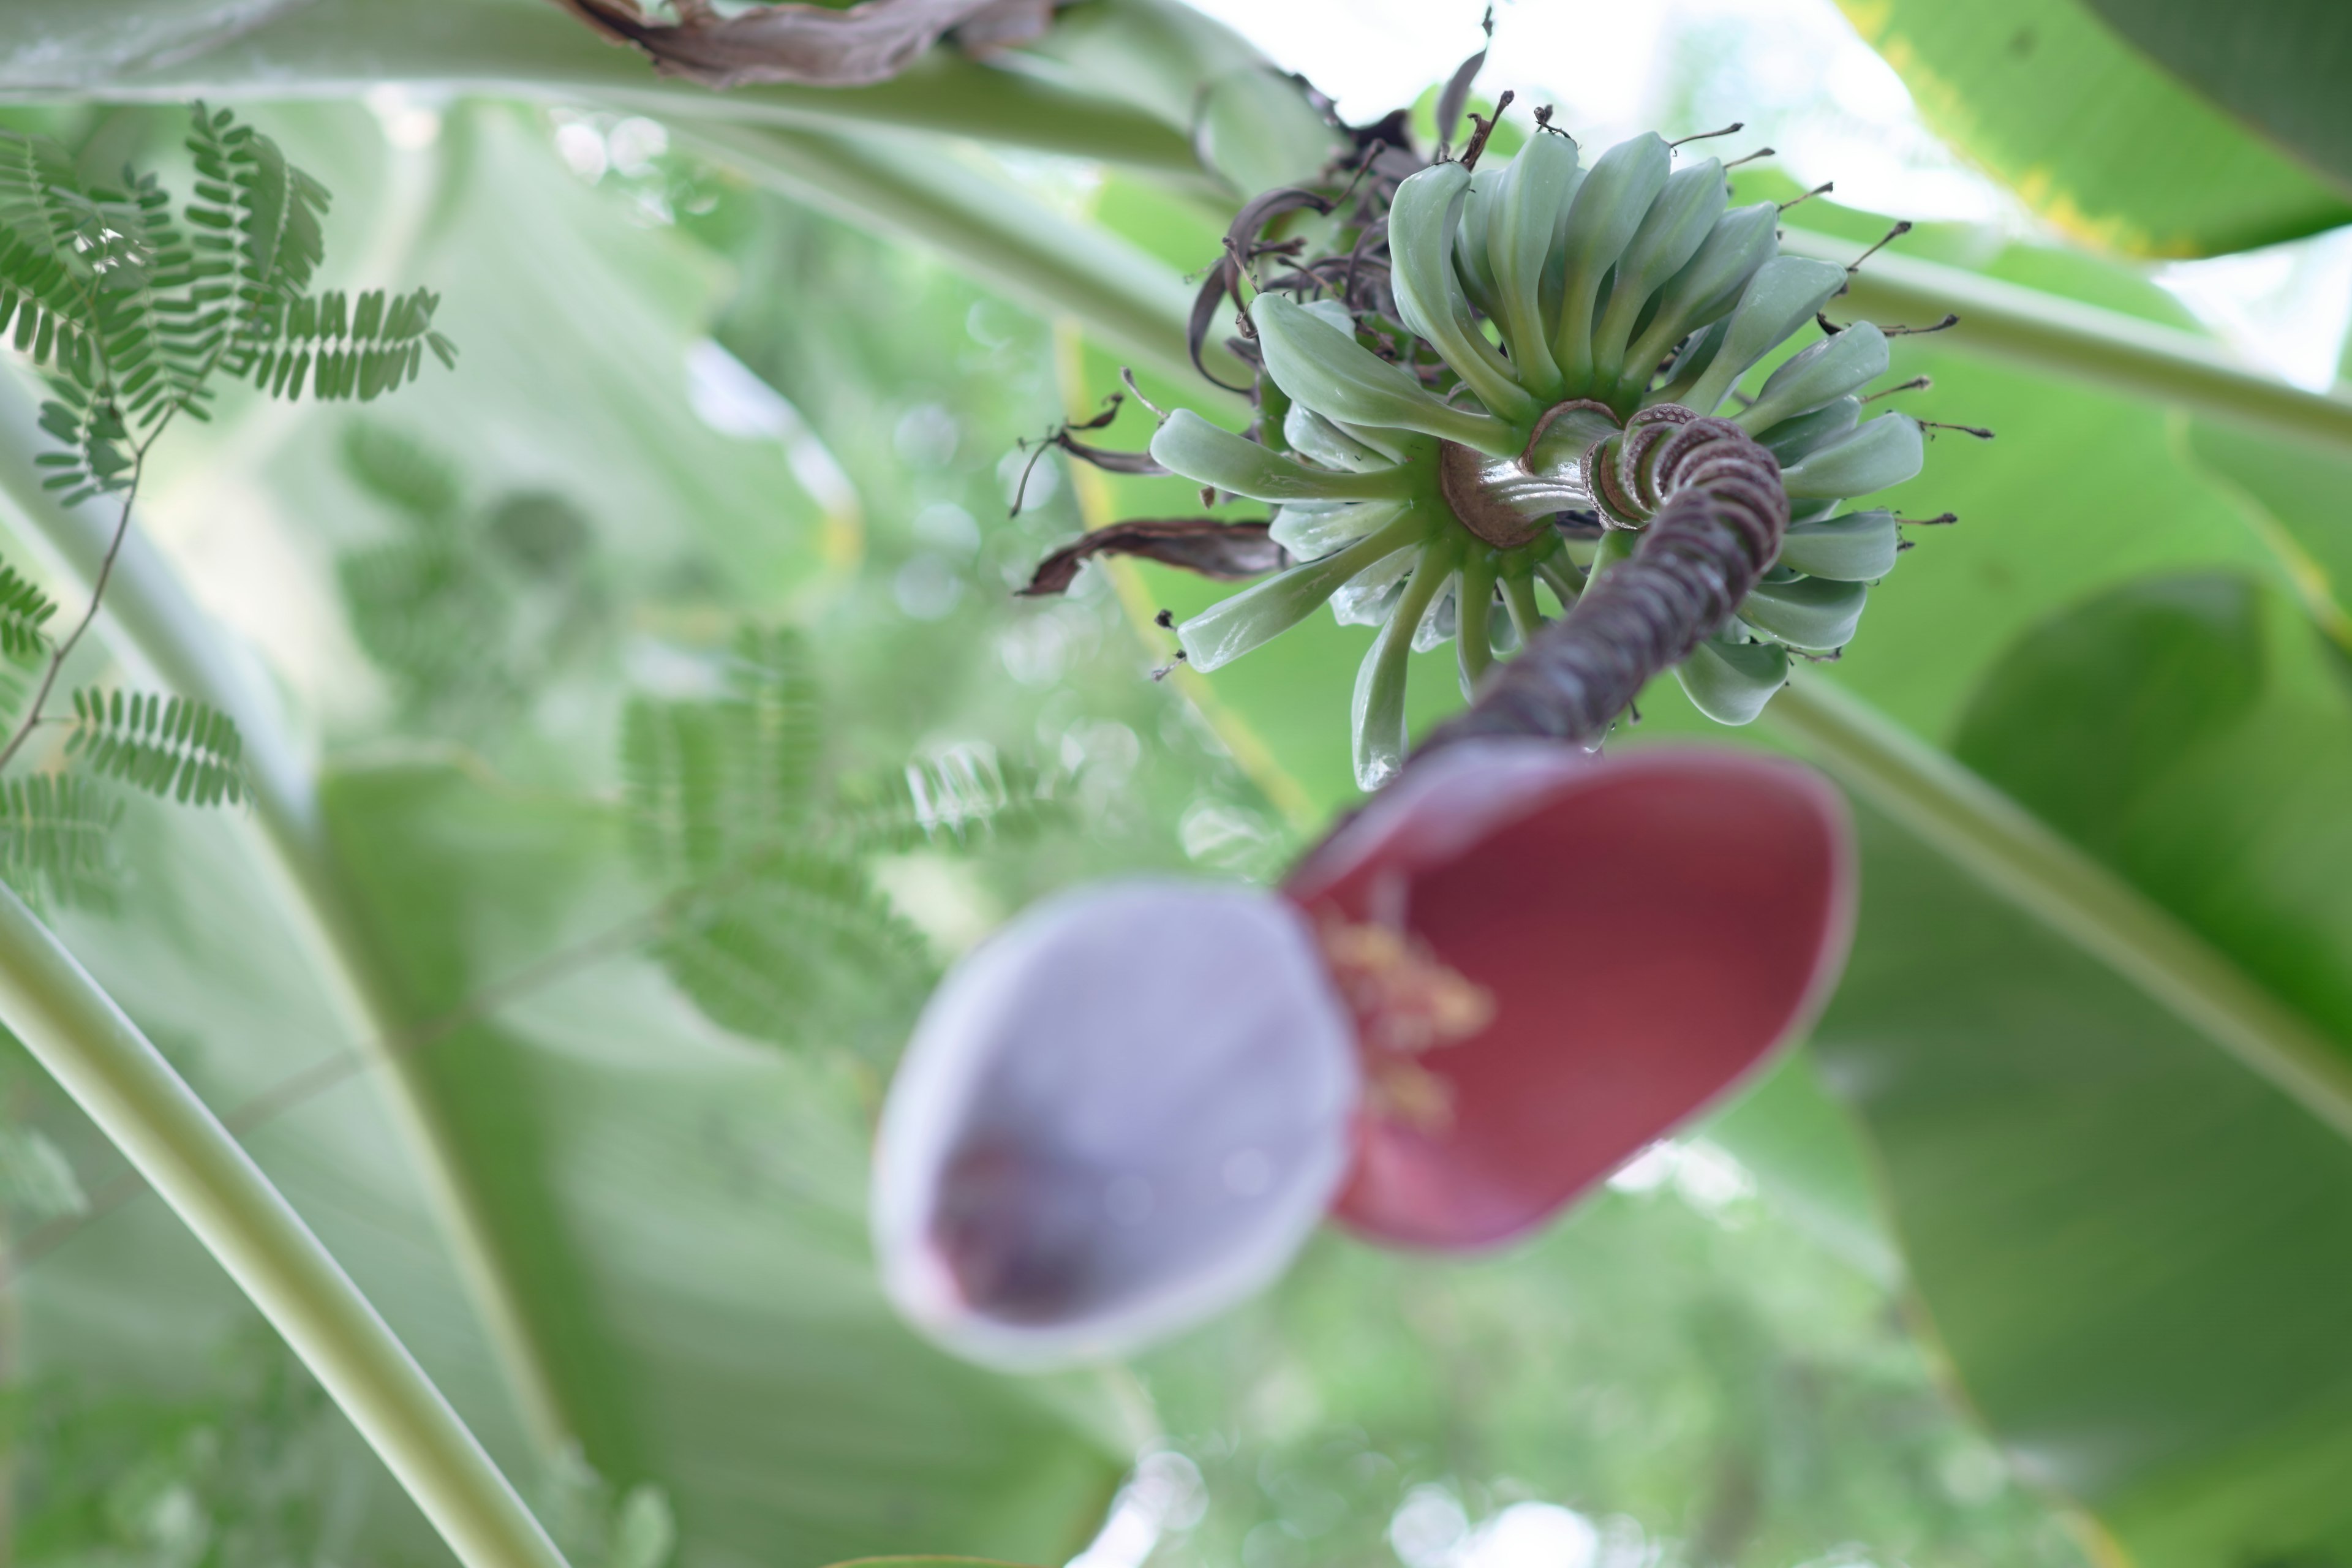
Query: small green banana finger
x=1231, y=628
x=1472, y=252
x=1312, y=530
x=1328, y=370
x=1806, y=612
x=1609, y=205
x=1691, y=364
x=1191, y=446
x=1315, y=438
x=1523, y=218
x=1730, y=682
x=1786, y=292
x=1706, y=290
x=1676, y=225
x=1377, y=713
x=1829, y=368
x=1423, y=220
x=1886, y=451
x=1859, y=547
x=1791, y=439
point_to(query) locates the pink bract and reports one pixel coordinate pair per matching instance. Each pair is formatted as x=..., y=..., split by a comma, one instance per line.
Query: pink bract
x=1634, y=936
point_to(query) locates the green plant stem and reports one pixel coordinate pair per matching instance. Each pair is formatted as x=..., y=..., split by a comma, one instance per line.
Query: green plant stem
x=114, y=1074
x=156, y=622
x=2011, y=852
x=2107, y=348
x=982, y=224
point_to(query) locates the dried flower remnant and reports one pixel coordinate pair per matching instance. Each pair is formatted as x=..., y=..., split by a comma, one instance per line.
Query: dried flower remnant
x=1211, y=547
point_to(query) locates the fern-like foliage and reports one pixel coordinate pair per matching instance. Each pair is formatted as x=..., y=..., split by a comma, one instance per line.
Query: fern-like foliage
x=710, y=782
x=176, y=747
x=257, y=220
x=961, y=799
x=423, y=610
x=24, y=611
x=258, y=216
x=378, y=346
x=776, y=929
x=133, y=311
x=61, y=245
x=468, y=611
x=782, y=950
x=94, y=279
x=56, y=840
x=403, y=473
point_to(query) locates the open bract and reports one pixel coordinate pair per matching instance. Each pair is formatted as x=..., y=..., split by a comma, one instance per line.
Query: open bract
x=1119, y=1115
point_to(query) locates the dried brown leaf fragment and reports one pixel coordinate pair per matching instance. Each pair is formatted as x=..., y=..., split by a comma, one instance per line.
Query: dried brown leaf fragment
x=809, y=45
x=1228, y=551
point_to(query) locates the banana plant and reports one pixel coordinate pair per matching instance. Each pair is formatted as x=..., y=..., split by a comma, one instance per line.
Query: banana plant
x=2199, y=685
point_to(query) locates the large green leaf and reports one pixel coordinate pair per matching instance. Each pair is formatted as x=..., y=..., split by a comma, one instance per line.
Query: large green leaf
x=2130, y=1247
x=2299, y=497
x=2280, y=66
x=2098, y=139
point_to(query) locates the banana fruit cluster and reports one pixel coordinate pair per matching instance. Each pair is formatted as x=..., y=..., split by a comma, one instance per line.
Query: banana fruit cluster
x=1541, y=304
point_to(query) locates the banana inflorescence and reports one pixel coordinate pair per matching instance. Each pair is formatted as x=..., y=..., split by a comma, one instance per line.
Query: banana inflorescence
x=1517, y=399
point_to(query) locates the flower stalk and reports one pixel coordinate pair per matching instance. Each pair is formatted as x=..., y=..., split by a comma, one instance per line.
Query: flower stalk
x=1719, y=523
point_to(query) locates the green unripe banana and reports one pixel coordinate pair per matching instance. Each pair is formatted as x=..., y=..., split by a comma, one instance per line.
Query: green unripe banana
x=1616, y=545
x=1523, y=222
x=1829, y=368
x=1378, y=710
x=1231, y=628
x=1886, y=451
x=1786, y=292
x=1676, y=225
x=1809, y=613
x=1730, y=682
x=1791, y=439
x=1315, y=438
x=1859, y=547
x=1471, y=256
x=1421, y=223
x=1312, y=530
x=1191, y=446
x=1697, y=355
x=1332, y=373
x=1366, y=599
x=1609, y=209
x=1706, y=288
